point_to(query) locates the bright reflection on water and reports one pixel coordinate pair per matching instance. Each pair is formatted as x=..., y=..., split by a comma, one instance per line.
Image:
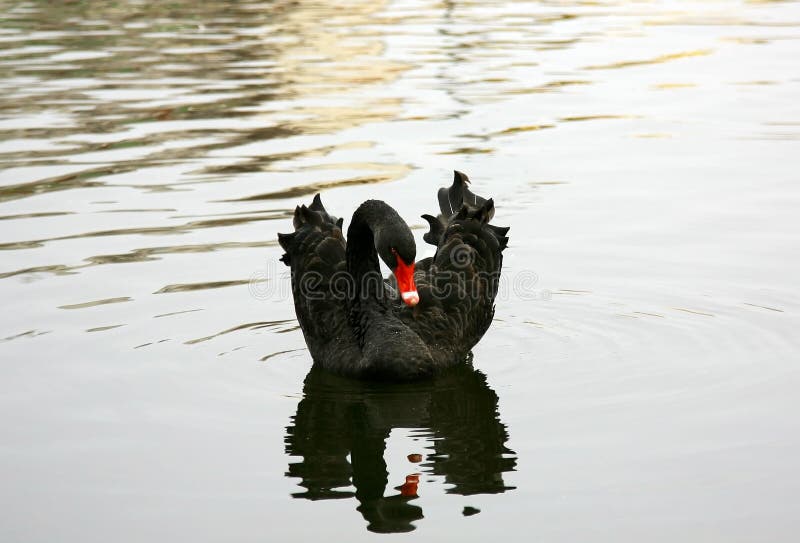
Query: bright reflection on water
x=639, y=381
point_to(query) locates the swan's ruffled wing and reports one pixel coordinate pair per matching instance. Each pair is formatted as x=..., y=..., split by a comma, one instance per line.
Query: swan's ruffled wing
x=459, y=284
x=315, y=252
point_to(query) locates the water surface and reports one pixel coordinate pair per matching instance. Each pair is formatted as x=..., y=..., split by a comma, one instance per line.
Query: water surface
x=639, y=381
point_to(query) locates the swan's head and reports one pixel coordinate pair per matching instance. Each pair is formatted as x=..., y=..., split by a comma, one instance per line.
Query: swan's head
x=398, y=251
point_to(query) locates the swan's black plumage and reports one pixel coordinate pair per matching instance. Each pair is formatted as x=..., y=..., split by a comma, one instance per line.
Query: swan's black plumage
x=355, y=324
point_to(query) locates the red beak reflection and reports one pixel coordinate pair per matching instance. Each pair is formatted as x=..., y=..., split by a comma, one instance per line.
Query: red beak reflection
x=410, y=487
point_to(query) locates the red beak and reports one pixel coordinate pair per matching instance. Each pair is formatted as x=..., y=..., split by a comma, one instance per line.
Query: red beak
x=405, y=282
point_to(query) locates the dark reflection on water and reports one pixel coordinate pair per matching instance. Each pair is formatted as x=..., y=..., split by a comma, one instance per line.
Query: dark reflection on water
x=457, y=413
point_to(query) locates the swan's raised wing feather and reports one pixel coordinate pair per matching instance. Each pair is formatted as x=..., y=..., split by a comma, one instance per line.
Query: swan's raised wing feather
x=453, y=197
x=451, y=200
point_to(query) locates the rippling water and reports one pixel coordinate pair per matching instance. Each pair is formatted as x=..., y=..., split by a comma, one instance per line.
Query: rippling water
x=639, y=381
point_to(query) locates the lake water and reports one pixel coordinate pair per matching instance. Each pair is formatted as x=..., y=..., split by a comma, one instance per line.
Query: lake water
x=640, y=381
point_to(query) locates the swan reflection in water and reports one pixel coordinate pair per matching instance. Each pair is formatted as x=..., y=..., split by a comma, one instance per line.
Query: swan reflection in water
x=340, y=432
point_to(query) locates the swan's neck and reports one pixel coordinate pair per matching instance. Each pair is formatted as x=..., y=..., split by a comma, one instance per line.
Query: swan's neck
x=362, y=256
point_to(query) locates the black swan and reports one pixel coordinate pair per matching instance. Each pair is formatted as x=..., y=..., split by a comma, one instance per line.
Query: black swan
x=425, y=318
